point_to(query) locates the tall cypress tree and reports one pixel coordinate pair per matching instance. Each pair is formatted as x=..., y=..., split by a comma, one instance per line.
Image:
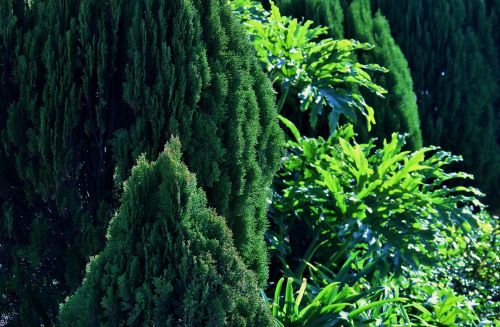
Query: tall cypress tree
x=453, y=59
x=89, y=85
x=354, y=19
x=398, y=111
x=493, y=46
x=169, y=260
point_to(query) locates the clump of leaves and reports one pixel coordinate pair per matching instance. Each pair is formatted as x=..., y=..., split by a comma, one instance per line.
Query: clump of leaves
x=475, y=270
x=323, y=71
x=333, y=305
x=384, y=301
x=335, y=198
x=436, y=305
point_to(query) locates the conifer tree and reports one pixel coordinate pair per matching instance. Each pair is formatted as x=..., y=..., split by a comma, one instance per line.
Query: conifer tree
x=493, y=10
x=451, y=51
x=168, y=261
x=398, y=111
x=354, y=19
x=87, y=86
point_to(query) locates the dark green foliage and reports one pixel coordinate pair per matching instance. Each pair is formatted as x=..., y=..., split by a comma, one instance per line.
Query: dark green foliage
x=398, y=111
x=324, y=13
x=168, y=261
x=86, y=87
x=354, y=19
x=475, y=272
x=450, y=47
x=493, y=8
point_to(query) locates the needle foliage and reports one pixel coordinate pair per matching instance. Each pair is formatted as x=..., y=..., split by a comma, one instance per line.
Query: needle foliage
x=88, y=86
x=168, y=261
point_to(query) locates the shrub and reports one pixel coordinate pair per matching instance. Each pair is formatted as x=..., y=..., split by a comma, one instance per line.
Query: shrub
x=335, y=197
x=333, y=305
x=86, y=87
x=369, y=217
x=320, y=71
x=169, y=260
x=474, y=271
x=397, y=111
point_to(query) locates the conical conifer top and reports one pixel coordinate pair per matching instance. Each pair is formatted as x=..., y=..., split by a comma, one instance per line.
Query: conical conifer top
x=169, y=259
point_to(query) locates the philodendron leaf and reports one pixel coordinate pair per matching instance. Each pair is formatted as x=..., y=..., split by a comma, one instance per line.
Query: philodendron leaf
x=316, y=110
x=339, y=102
x=333, y=120
x=300, y=52
x=293, y=129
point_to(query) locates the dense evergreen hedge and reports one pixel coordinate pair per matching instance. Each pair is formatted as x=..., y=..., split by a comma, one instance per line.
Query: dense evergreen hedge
x=86, y=87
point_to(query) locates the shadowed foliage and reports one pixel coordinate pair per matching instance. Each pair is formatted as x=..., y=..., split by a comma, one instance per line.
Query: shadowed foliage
x=454, y=59
x=86, y=87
